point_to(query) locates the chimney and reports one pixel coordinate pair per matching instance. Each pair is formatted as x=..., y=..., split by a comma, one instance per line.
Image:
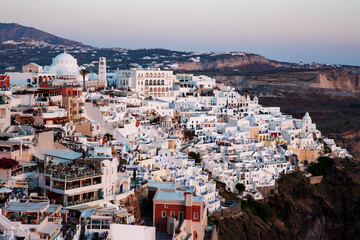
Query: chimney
x=188, y=206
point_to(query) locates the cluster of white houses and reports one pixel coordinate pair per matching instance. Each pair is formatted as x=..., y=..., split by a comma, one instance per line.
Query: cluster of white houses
x=171, y=137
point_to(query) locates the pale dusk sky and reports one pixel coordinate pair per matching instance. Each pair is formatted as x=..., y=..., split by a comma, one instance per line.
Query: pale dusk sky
x=324, y=31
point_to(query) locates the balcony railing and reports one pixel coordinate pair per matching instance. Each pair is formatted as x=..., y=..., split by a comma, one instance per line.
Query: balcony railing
x=84, y=174
x=72, y=203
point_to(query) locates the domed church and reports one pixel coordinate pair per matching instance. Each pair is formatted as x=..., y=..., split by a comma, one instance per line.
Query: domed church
x=64, y=65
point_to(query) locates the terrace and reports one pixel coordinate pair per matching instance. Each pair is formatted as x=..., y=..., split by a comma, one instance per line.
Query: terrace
x=72, y=171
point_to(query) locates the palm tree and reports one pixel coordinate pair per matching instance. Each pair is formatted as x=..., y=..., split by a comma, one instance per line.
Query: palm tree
x=83, y=72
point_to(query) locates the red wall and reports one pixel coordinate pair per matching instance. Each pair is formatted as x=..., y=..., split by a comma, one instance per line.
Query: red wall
x=275, y=134
x=194, y=210
x=5, y=80
x=66, y=91
x=160, y=223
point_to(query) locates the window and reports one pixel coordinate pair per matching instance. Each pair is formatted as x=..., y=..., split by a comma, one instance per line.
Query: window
x=172, y=214
x=195, y=215
x=163, y=214
x=166, y=206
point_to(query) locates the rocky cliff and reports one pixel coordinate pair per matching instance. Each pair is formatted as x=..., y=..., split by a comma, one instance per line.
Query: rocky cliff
x=225, y=62
x=329, y=210
x=330, y=81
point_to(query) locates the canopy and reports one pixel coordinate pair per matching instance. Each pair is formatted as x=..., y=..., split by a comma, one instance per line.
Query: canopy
x=5, y=190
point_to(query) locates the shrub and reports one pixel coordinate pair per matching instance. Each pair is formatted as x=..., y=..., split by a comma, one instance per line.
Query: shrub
x=8, y=163
x=258, y=208
x=240, y=187
x=321, y=167
x=196, y=156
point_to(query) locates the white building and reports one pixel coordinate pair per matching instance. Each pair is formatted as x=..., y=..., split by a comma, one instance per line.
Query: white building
x=102, y=70
x=65, y=66
x=147, y=82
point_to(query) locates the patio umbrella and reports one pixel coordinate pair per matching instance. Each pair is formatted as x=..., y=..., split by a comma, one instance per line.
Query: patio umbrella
x=5, y=190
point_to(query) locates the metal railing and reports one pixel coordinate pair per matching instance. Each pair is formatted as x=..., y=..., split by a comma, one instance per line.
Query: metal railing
x=83, y=174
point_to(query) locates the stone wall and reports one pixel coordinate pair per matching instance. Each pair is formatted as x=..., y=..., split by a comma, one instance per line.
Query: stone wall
x=306, y=154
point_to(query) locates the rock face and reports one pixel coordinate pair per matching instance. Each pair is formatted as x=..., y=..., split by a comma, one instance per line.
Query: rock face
x=13, y=31
x=276, y=83
x=233, y=62
x=326, y=211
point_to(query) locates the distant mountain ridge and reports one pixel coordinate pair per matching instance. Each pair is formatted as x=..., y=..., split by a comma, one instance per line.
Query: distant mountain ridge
x=14, y=31
x=181, y=61
x=237, y=61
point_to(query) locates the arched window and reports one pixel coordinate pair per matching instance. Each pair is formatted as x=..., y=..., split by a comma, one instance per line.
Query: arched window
x=146, y=75
x=150, y=82
x=195, y=235
x=162, y=82
x=162, y=75
x=163, y=89
x=167, y=89
x=146, y=83
x=150, y=89
x=159, y=75
x=159, y=89
x=150, y=74
x=154, y=89
x=158, y=82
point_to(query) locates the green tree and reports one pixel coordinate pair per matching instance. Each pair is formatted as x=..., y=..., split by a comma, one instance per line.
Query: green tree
x=196, y=156
x=258, y=208
x=100, y=193
x=240, y=187
x=108, y=137
x=321, y=167
x=83, y=72
x=188, y=134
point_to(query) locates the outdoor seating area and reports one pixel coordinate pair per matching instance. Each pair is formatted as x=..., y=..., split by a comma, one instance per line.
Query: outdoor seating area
x=84, y=198
x=72, y=170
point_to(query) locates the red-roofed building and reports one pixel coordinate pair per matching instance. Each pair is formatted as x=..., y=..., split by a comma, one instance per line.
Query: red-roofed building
x=4, y=81
x=180, y=214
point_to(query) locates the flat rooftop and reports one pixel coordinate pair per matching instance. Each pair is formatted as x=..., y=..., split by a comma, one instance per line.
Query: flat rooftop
x=175, y=196
x=26, y=207
x=61, y=153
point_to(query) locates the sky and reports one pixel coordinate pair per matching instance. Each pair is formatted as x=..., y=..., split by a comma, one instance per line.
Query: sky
x=323, y=31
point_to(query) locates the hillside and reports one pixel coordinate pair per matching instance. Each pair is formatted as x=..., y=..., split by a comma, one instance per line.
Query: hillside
x=231, y=62
x=14, y=31
x=329, y=210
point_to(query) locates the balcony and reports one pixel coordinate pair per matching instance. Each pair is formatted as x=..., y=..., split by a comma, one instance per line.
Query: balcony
x=66, y=177
x=77, y=202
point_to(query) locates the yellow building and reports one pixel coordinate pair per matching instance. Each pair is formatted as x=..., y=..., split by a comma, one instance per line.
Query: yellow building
x=254, y=132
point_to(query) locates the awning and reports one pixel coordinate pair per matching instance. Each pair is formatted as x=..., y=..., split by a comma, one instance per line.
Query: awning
x=84, y=207
x=87, y=213
x=48, y=228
